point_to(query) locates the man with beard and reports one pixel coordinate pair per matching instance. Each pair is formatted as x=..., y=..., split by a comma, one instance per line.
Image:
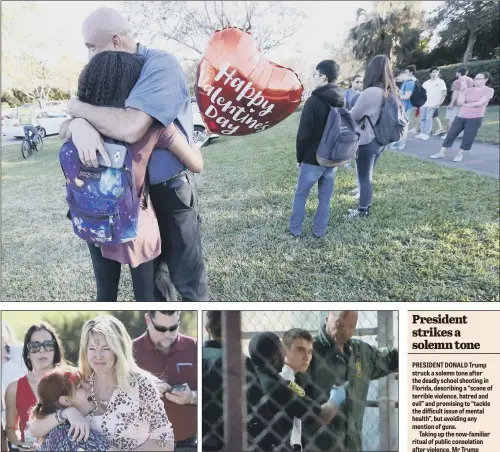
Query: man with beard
x=284, y=400
x=172, y=357
x=337, y=358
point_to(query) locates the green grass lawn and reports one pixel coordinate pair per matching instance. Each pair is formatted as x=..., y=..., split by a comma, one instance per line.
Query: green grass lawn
x=489, y=131
x=433, y=233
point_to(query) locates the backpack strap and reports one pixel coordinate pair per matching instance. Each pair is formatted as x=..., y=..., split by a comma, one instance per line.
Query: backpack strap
x=144, y=192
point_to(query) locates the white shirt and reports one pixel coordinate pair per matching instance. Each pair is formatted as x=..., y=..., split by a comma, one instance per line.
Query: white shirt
x=288, y=374
x=12, y=370
x=434, y=89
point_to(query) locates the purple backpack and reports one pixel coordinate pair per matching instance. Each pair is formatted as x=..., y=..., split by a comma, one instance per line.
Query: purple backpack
x=103, y=202
x=339, y=142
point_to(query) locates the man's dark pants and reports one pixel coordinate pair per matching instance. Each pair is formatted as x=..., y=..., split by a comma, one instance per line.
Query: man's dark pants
x=188, y=445
x=176, y=205
x=30, y=129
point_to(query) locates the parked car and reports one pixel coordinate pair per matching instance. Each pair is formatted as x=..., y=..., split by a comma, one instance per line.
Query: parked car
x=55, y=105
x=50, y=123
x=201, y=135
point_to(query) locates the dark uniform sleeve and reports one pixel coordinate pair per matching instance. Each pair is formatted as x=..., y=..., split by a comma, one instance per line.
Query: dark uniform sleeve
x=384, y=361
x=274, y=416
x=300, y=405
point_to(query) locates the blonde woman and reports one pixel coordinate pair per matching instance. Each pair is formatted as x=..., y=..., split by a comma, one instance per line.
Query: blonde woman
x=128, y=409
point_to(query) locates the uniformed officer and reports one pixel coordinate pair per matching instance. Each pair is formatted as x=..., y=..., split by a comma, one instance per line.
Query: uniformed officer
x=284, y=400
x=213, y=384
x=336, y=359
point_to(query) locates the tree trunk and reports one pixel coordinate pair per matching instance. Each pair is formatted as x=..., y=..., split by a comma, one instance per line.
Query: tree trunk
x=470, y=45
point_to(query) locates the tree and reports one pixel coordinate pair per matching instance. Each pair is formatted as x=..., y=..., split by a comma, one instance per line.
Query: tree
x=26, y=62
x=188, y=25
x=456, y=20
x=349, y=66
x=393, y=29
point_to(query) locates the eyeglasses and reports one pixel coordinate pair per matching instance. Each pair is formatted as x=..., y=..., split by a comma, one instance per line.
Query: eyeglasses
x=164, y=329
x=48, y=346
x=479, y=78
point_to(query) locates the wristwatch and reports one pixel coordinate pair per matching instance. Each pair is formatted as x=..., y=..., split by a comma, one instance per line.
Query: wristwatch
x=194, y=401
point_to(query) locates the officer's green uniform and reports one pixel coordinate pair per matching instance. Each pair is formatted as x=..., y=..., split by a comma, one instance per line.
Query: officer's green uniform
x=358, y=364
x=283, y=401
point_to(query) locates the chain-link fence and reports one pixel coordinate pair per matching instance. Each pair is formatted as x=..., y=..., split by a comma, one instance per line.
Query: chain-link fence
x=247, y=406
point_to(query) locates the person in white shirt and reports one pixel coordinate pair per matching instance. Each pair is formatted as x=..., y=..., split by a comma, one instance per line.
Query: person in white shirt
x=12, y=360
x=298, y=346
x=436, y=93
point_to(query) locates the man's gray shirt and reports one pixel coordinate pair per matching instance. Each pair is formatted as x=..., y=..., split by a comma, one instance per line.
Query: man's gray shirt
x=162, y=92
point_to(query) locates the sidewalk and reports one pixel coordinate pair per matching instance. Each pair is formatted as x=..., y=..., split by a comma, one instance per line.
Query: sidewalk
x=484, y=158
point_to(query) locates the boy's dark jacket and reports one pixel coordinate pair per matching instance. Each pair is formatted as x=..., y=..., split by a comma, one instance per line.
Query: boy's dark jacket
x=313, y=120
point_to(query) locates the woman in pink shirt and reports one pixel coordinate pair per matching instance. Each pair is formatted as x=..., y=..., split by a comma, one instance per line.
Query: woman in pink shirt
x=107, y=80
x=472, y=103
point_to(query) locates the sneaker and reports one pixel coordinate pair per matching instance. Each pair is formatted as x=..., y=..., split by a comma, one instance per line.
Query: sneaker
x=299, y=236
x=423, y=136
x=395, y=147
x=358, y=213
x=439, y=155
x=414, y=130
x=443, y=137
x=458, y=157
x=419, y=135
x=438, y=132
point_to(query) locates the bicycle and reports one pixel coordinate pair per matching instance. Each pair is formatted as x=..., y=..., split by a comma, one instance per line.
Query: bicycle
x=29, y=145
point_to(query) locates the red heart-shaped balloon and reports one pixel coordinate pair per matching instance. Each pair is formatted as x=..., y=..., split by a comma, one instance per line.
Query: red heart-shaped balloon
x=240, y=92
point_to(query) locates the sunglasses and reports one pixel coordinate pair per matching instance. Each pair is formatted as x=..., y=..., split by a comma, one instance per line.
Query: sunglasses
x=48, y=346
x=164, y=329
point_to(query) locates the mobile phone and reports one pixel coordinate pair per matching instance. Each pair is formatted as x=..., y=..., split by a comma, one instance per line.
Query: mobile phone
x=24, y=446
x=178, y=388
x=116, y=152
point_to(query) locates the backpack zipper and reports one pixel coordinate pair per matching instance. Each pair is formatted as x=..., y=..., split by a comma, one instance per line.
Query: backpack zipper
x=112, y=227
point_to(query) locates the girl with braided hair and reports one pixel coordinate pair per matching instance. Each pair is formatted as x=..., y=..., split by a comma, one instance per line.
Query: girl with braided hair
x=107, y=80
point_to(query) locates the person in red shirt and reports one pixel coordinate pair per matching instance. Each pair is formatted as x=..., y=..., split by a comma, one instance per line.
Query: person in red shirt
x=42, y=350
x=172, y=357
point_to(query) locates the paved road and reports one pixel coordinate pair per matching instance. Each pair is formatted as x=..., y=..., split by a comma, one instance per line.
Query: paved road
x=6, y=140
x=483, y=158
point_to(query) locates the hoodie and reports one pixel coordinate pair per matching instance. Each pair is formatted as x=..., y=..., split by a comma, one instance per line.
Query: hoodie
x=313, y=120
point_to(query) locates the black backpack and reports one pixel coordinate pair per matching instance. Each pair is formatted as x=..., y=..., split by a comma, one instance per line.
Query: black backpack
x=419, y=95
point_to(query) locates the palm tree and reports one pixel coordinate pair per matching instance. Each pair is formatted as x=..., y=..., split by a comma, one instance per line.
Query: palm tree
x=389, y=31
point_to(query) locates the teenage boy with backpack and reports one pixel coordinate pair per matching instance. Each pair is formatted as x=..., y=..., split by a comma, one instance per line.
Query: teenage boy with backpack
x=411, y=89
x=312, y=124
